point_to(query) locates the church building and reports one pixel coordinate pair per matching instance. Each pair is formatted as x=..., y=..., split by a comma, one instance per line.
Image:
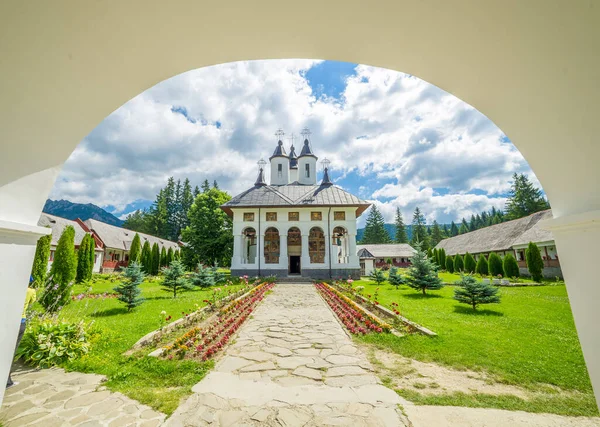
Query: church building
x=295, y=226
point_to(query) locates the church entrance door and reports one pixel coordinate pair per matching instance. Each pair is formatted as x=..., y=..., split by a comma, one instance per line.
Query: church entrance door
x=294, y=265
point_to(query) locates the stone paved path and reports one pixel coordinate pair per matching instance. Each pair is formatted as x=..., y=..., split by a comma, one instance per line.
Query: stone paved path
x=292, y=364
x=53, y=397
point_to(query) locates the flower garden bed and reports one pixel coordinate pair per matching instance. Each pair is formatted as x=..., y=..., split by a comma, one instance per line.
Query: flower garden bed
x=203, y=342
x=356, y=319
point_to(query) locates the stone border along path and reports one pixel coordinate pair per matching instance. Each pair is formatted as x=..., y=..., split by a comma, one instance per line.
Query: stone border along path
x=291, y=364
x=53, y=397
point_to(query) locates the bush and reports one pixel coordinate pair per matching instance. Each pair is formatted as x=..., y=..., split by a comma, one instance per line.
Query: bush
x=135, y=250
x=495, y=265
x=535, y=264
x=174, y=280
x=469, y=263
x=474, y=293
x=85, y=259
x=450, y=264
x=442, y=258
x=422, y=274
x=395, y=278
x=206, y=276
x=511, y=268
x=62, y=273
x=129, y=291
x=40, y=261
x=482, y=266
x=51, y=343
x=459, y=264
x=377, y=275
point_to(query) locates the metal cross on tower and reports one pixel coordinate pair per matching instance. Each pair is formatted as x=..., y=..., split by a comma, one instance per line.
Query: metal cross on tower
x=305, y=133
x=292, y=138
x=279, y=134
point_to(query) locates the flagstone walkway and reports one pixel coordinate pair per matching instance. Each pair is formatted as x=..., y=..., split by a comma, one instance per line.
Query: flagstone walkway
x=292, y=365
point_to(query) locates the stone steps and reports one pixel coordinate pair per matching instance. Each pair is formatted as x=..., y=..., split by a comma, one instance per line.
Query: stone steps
x=295, y=279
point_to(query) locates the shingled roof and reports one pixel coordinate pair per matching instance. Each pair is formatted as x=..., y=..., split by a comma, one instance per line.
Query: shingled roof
x=392, y=250
x=295, y=194
x=58, y=225
x=121, y=238
x=499, y=237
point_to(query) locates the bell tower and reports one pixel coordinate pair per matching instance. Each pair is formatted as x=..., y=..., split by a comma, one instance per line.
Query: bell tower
x=307, y=162
x=280, y=162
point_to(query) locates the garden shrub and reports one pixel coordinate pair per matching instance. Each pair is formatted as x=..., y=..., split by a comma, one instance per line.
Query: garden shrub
x=377, y=275
x=535, y=264
x=135, y=250
x=422, y=274
x=174, y=279
x=395, y=277
x=511, y=268
x=52, y=343
x=442, y=258
x=459, y=265
x=482, y=266
x=129, y=291
x=495, y=265
x=57, y=290
x=474, y=293
x=40, y=261
x=85, y=259
x=469, y=263
x=450, y=264
x=206, y=277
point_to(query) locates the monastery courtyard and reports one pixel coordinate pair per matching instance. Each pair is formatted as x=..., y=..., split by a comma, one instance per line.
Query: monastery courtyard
x=291, y=364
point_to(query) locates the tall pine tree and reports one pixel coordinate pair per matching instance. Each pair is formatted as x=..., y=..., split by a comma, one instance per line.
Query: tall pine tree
x=375, y=228
x=400, y=228
x=453, y=229
x=419, y=230
x=436, y=234
x=524, y=198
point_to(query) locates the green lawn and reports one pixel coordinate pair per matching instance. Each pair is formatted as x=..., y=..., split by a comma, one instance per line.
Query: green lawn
x=529, y=339
x=155, y=382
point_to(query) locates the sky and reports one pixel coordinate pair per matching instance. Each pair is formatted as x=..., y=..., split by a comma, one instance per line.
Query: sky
x=392, y=138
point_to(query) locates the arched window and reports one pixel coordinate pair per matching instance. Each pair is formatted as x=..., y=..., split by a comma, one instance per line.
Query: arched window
x=272, y=246
x=249, y=245
x=316, y=245
x=294, y=237
x=339, y=239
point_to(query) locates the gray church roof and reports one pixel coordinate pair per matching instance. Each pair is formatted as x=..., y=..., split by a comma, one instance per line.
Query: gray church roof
x=293, y=158
x=295, y=194
x=306, y=150
x=279, y=151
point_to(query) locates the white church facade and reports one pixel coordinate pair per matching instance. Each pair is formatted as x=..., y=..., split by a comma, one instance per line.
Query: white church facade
x=295, y=226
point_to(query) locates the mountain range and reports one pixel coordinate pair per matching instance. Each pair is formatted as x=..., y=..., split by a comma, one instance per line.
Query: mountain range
x=72, y=211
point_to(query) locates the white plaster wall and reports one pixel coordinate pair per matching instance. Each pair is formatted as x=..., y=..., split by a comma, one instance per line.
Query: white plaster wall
x=285, y=171
x=98, y=262
x=302, y=162
x=293, y=174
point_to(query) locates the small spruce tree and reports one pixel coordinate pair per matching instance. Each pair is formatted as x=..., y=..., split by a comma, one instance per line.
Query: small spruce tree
x=495, y=264
x=146, y=258
x=450, y=264
x=63, y=271
x=40, y=261
x=204, y=277
x=482, y=266
x=469, y=263
x=174, y=280
x=135, y=251
x=155, y=259
x=422, y=275
x=474, y=293
x=129, y=291
x=395, y=277
x=510, y=266
x=377, y=275
x=535, y=263
x=459, y=264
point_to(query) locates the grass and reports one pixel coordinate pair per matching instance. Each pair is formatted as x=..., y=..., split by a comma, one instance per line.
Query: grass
x=529, y=340
x=158, y=383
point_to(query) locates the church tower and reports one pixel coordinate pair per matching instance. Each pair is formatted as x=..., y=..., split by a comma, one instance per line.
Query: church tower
x=293, y=163
x=280, y=163
x=307, y=162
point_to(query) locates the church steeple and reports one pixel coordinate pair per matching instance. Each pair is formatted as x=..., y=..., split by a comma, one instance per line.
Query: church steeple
x=326, y=180
x=260, y=179
x=307, y=162
x=280, y=162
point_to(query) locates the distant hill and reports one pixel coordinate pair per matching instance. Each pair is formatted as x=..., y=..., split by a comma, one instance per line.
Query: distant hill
x=391, y=229
x=72, y=211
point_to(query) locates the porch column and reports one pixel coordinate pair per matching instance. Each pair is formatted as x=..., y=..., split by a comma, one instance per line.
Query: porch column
x=352, y=255
x=237, y=258
x=260, y=252
x=305, y=256
x=283, y=252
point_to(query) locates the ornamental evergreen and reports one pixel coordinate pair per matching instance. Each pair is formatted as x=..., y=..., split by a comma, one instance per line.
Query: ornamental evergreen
x=510, y=266
x=401, y=236
x=535, y=263
x=135, y=251
x=377, y=275
x=375, y=231
x=146, y=258
x=155, y=259
x=85, y=259
x=129, y=291
x=422, y=274
x=62, y=273
x=174, y=280
x=163, y=257
x=442, y=258
x=450, y=264
x=169, y=256
x=495, y=264
x=40, y=261
x=205, y=277
x=469, y=263
x=459, y=264
x=482, y=266
x=474, y=293
x=395, y=277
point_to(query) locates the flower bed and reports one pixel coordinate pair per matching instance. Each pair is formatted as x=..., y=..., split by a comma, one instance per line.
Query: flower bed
x=355, y=318
x=104, y=295
x=205, y=342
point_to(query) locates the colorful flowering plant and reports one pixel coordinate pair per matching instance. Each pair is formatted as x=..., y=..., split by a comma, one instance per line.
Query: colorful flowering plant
x=105, y=295
x=353, y=316
x=207, y=341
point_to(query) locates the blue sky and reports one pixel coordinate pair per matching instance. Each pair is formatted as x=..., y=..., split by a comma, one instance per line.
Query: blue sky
x=392, y=138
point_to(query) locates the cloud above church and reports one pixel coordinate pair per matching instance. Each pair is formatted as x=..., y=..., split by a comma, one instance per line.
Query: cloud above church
x=392, y=138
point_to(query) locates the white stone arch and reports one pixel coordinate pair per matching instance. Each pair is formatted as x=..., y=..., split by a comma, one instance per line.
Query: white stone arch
x=249, y=244
x=271, y=245
x=317, y=245
x=340, y=242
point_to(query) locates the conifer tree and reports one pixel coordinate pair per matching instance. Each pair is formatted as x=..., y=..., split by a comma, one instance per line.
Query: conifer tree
x=524, y=199
x=464, y=227
x=146, y=258
x=482, y=266
x=442, y=258
x=62, y=272
x=430, y=254
x=453, y=229
x=495, y=264
x=436, y=258
x=450, y=264
x=472, y=223
x=436, y=234
x=395, y=277
x=169, y=256
x=474, y=293
x=469, y=263
x=377, y=275
x=135, y=250
x=155, y=259
x=129, y=291
x=400, y=228
x=446, y=232
x=375, y=231
x=419, y=230
x=422, y=275
x=459, y=264
x=163, y=258
x=510, y=266
x=174, y=280
x=535, y=263
x=205, y=186
x=40, y=261
x=85, y=259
